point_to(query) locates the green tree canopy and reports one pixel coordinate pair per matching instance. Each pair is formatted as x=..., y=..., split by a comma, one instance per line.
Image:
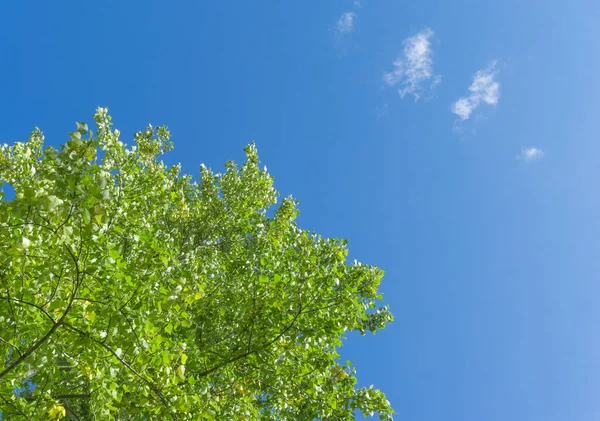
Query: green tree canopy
x=130, y=291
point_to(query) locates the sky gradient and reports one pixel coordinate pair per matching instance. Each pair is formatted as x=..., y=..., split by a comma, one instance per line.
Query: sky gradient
x=455, y=144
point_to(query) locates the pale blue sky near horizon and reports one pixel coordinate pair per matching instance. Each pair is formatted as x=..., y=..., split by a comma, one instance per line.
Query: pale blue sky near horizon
x=487, y=226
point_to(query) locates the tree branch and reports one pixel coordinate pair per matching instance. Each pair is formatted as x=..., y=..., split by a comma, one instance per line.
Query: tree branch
x=77, y=282
x=10, y=345
x=20, y=301
x=147, y=381
x=250, y=352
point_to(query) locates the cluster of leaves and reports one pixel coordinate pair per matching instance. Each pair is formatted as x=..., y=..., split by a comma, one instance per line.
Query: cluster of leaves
x=129, y=291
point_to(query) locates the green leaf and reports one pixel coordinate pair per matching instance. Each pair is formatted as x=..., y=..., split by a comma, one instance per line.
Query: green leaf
x=98, y=218
x=55, y=305
x=82, y=127
x=51, y=202
x=114, y=254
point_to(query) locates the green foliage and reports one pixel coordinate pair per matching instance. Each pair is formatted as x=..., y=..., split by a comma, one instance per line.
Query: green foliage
x=129, y=291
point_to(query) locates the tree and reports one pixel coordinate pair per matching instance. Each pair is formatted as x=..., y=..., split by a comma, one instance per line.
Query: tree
x=129, y=291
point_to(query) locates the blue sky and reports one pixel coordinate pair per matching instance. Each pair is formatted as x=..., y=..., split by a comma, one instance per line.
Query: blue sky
x=490, y=247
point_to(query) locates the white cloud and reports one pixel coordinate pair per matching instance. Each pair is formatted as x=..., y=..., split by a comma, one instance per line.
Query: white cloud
x=415, y=67
x=345, y=23
x=483, y=89
x=530, y=154
x=462, y=108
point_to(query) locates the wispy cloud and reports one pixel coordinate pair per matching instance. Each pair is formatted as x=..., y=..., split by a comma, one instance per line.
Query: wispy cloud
x=345, y=23
x=483, y=89
x=382, y=111
x=530, y=154
x=414, y=67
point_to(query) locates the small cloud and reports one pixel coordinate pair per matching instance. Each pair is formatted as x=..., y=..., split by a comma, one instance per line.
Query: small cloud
x=530, y=154
x=382, y=111
x=462, y=108
x=357, y=3
x=415, y=67
x=483, y=89
x=345, y=23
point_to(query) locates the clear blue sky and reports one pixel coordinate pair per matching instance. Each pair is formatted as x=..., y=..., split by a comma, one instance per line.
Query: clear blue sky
x=491, y=261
